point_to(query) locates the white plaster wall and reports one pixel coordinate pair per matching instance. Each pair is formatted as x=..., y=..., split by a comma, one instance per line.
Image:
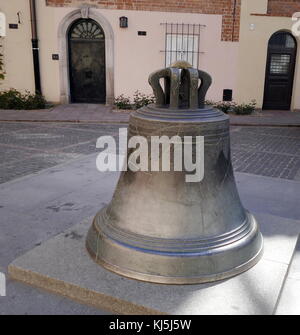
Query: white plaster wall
x=48, y=43
x=253, y=48
x=17, y=47
x=238, y=66
x=137, y=56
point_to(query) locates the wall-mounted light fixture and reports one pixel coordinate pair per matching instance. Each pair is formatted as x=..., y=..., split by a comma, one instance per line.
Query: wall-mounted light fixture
x=123, y=22
x=252, y=26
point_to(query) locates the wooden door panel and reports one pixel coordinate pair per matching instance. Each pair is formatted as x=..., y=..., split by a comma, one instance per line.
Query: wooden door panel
x=279, y=72
x=87, y=72
x=87, y=62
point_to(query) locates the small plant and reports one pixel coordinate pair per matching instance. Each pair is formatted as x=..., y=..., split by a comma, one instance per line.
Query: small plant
x=232, y=107
x=13, y=99
x=225, y=106
x=122, y=102
x=140, y=100
x=209, y=102
x=34, y=101
x=245, y=109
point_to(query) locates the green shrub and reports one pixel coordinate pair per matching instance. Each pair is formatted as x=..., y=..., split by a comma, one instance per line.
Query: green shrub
x=34, y=101
x=122, y=102
x=225, y=106
x=140, y=100
x=245, y=109
x=232, y=107
x=13, y=99
x=209, y=102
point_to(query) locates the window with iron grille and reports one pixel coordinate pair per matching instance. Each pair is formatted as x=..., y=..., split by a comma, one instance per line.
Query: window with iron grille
x=280, y=64
x=182, y=43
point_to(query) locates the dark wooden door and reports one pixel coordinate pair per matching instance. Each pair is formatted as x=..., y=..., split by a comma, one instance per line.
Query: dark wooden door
x=87, y=62
x=280, y=70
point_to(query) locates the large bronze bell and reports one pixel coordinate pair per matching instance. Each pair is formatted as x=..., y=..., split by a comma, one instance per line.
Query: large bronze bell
x=160, y=228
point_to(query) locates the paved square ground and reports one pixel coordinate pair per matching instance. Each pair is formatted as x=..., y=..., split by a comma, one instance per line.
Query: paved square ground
x=49, y=207
x=27, y=148
x=266, y=151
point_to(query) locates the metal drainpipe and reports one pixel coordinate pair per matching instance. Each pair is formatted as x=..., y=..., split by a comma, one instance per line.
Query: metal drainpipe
x=35, y=47
x=234, y=19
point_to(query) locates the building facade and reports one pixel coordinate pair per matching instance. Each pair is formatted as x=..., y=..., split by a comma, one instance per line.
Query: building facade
x=92, y=51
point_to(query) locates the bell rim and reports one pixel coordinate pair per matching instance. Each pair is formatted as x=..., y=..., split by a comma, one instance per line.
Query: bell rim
x=165, y=246
x=178, y=280
x=253, y=242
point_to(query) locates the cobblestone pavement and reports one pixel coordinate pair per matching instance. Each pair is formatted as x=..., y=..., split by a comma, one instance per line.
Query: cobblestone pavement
x=27, y=148
x=272, y=152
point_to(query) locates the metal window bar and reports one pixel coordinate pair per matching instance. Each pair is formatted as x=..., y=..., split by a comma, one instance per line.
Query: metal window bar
x=182, y=42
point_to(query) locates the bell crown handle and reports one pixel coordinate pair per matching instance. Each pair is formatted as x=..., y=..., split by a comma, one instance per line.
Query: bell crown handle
x=182, y=89
x=206, y=81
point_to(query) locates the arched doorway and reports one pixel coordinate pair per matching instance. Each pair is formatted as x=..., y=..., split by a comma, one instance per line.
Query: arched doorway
x=282, y=50
x=87, y=69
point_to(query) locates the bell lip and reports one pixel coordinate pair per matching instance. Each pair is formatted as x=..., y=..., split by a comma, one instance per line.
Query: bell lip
x=182, y=279
x=163, y=247
x=167, y=280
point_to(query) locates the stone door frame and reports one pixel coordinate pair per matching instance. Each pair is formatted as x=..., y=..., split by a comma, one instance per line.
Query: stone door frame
x=85, y=12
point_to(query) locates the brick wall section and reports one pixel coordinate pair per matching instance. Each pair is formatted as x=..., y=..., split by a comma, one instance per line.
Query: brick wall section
x=230, y=26
x=283, y=7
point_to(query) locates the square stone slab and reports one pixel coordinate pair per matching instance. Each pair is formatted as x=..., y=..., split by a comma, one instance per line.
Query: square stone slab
x=62, y=265
x=289, y=302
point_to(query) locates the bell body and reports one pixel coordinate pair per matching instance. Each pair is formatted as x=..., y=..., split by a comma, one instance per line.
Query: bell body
x=160, y=228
